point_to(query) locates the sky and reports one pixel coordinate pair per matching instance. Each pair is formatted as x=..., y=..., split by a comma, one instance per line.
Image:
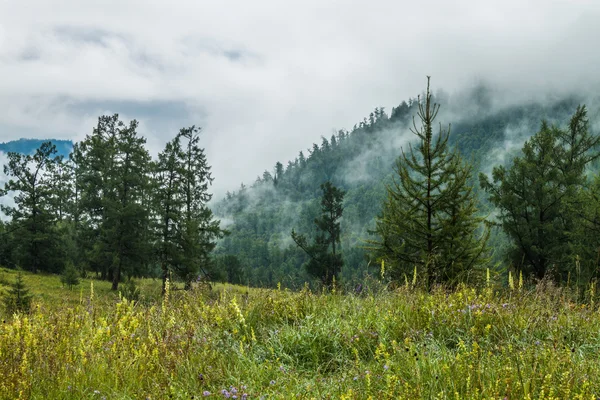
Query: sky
x=265, y=78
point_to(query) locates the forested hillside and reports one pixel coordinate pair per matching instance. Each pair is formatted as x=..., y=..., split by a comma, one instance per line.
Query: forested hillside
x=261, y=215
x=29, y=146
x=109, y=208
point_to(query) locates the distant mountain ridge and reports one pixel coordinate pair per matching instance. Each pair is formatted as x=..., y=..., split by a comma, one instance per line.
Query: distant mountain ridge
x=29, y=146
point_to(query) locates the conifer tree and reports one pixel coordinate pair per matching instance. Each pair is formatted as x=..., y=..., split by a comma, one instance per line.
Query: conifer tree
x=113, y=175
x=70, y=276
x=17, y=298
x=325, y=260
x=168, y=206
x=429, y=217
x=199, y=228
x=32, y=215
x=539, y=196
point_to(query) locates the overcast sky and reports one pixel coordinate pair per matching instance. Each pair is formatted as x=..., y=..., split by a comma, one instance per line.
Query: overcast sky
x=266, y=79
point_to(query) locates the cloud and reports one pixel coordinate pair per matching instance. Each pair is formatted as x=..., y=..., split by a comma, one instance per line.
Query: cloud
x=265, y=79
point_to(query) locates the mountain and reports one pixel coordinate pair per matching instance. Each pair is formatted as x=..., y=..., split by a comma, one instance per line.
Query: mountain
x=259, y=251
x=29, y=146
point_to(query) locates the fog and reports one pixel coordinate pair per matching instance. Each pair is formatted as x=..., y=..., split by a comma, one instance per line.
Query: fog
x=266, y=79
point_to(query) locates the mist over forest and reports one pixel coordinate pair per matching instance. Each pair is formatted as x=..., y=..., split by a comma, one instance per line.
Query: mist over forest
x=486, y=128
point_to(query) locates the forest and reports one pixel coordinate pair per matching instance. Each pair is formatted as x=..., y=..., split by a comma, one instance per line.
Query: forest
x=441, y=187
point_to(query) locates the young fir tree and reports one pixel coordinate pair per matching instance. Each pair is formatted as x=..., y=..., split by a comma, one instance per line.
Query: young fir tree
x=70, y=276
x=17, y=298
x=539, y=196
x=429, y=217
x=325, y=260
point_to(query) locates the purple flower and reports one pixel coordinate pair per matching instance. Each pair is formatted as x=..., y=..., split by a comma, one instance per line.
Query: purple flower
x=272, y=383
x=206, y=393
x=386, y=367
x=233, y=389
x=244, y=396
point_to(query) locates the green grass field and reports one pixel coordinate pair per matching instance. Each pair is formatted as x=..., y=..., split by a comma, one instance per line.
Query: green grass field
x=231, y=342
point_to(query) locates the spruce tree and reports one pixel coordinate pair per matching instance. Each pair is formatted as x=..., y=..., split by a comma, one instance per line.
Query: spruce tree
x=70, y=276
x=429, y=220
x=325, y=260
x=17, y=298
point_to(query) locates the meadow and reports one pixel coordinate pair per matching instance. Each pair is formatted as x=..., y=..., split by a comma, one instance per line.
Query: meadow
x=493, y=342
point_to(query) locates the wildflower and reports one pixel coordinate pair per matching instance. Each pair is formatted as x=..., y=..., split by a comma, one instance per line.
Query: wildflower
x=386, y=367
x=281, y=368
x=96, y=392
x=272, y=383
x=233, y=389
x=355, y=378
x=206, y=393
x=225, y=393
x=244, y=396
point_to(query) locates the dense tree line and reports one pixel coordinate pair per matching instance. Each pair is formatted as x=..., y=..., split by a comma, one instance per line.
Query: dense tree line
x=411, y=200
x=110, y=209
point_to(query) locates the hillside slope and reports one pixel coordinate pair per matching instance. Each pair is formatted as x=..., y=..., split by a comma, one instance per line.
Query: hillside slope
x=262, y=215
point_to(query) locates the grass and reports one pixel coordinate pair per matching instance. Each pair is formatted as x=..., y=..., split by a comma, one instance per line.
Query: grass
x=231, y=341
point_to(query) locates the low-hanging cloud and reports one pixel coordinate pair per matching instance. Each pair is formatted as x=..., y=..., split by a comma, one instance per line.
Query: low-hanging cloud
x=266, y=78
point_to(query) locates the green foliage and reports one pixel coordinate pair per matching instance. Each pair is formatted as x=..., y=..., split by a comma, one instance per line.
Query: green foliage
x=32, y=216
x=325, y=260
x=186, y=227
x=113, y=178
x=229, y=269
x=17, y=298
x=429, y=218
x=539, y=197
x=70, y=276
